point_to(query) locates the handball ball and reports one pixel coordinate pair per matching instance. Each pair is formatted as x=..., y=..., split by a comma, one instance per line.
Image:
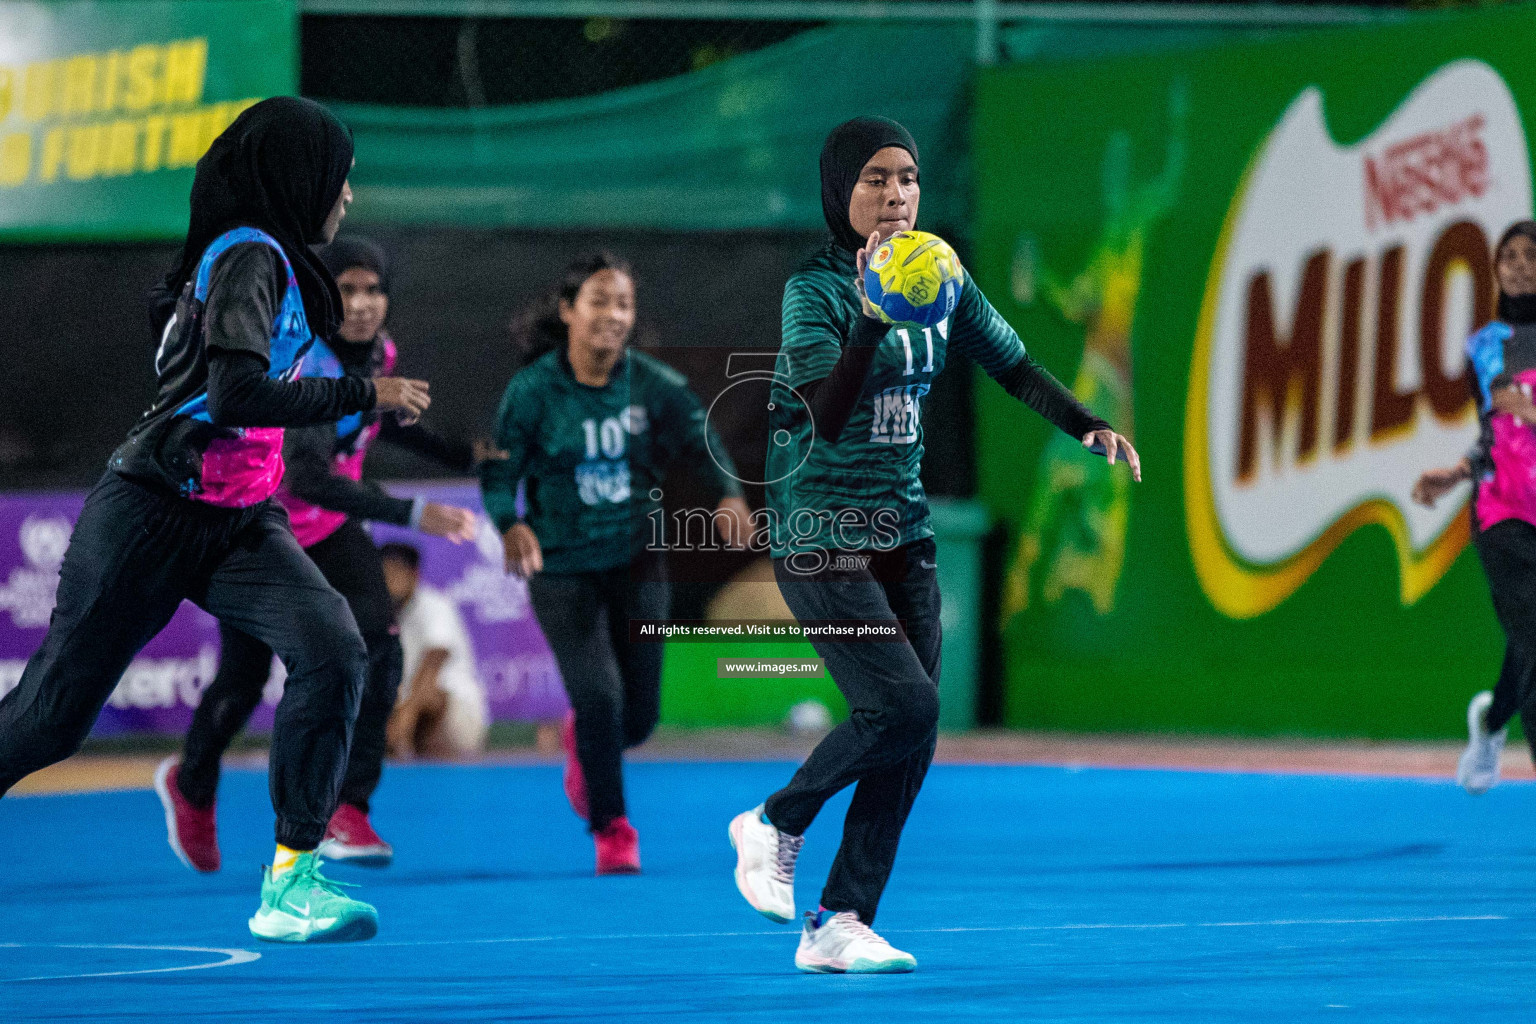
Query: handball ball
x=913, y=278
x=808, y=718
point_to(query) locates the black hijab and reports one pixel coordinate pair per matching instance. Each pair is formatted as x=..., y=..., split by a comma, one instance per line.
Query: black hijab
x=844, y=155
x=349, y=251
x=1515, y=309
x=339, y=257
x=280, y=167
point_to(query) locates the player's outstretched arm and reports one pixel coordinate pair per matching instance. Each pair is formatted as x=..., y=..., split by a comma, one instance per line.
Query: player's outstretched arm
x=420, y=439
x=1111, y=445
x=244, y=295
x=450, y=522
x=406, y=398
x=307, y=455
x=1434, y=483
x=980, y=332
x=240, y=394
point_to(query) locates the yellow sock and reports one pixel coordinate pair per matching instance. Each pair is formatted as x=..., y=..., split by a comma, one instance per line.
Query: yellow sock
x=283, y=861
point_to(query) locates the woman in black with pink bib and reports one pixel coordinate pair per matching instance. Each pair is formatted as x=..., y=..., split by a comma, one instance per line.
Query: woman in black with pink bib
x=1502, y=468
x=184, y=510
x=327, y=501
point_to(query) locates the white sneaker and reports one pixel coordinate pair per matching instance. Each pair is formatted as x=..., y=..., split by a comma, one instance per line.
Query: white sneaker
x=765, y=865
x=1478, y=769
x=845, y=945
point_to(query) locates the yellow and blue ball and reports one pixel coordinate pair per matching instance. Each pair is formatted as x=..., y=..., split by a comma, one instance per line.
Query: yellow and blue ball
x=914, y=277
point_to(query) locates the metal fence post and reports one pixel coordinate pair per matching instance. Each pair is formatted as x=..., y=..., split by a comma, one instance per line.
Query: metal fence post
x=986, y=31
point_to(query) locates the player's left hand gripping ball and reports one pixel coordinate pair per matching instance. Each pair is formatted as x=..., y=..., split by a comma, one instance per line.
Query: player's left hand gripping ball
x=914, y=277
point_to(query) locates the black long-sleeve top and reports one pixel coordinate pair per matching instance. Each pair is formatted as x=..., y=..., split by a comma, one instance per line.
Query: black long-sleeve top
x=311, y=454
x=217, y=384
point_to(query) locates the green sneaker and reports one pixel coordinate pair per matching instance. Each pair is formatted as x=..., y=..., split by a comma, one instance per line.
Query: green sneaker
x=305, y=906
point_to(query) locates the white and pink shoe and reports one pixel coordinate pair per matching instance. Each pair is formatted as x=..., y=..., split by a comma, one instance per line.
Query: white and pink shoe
x=842, y=944
x=765, y=865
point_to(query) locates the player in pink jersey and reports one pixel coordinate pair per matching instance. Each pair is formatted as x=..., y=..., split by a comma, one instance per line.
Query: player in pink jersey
x=1502, y=468
x=327, y=501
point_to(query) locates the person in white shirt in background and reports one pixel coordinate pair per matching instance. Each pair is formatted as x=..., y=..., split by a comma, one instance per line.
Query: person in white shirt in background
x=442, y=710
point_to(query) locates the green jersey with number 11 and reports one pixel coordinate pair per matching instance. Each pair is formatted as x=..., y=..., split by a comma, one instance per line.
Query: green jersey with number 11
x=863, y=491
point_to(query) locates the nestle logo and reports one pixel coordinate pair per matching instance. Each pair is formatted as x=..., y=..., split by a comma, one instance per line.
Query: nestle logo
x=1426, y=172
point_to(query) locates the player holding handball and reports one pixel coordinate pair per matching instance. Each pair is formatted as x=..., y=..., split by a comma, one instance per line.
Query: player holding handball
x=851, y=533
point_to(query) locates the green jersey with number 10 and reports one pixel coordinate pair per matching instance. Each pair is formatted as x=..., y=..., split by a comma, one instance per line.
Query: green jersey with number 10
x=593, y=458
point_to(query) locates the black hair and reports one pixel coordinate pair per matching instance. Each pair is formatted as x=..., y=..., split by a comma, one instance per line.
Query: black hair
x=401, y=553
x=537, y=327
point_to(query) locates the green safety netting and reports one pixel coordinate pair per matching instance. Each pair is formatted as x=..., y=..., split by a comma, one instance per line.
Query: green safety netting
x=733, y=146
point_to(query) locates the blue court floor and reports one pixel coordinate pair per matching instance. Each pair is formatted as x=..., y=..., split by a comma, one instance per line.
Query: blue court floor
x=1027, y=894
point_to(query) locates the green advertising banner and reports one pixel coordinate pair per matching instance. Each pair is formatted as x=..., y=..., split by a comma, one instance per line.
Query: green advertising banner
x=106, y=106
x=1261, y=261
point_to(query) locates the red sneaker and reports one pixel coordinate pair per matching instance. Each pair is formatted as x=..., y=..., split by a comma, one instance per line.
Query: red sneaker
x=350, y=838
x=192, y=831
x=575, y=781
x=618, y=848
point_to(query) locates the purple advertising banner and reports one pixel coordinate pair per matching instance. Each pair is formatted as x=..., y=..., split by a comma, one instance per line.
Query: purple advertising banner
x=166, y=680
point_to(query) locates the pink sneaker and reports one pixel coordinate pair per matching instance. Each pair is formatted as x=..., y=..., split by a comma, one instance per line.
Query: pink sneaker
x=618, y=848
x=575, y=781
x=350, y=838
x=192, y=831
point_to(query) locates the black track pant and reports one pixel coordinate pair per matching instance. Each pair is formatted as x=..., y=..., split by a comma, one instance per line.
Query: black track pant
x=134, y=556
x=351, y=564
x=1508, y=553
x=614, y=685
x=892, y=689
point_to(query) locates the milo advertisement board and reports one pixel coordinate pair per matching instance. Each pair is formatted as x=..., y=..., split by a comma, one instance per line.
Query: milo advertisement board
x=1261, y=262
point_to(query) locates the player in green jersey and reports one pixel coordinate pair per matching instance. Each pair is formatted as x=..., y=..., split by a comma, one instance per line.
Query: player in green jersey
x=591, y=428
x=851, y=537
